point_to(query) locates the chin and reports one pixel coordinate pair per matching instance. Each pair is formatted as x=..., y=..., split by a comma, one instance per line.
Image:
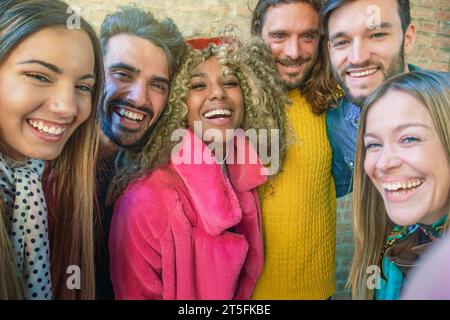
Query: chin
x=47, y=156
x=404, y=219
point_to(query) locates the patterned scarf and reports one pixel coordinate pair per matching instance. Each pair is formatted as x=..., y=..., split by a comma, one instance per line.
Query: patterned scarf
x=399, y=234
x=23, y=196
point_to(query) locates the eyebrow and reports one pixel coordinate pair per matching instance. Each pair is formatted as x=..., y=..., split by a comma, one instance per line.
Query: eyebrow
x=201, y=75
x=121, y=65
x=47, y=65
x=54, y=68
x=162, y=79
x=400, y=128
x=383, y=25
x=312, y=30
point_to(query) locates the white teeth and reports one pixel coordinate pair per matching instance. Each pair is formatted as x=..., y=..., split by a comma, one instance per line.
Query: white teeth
x=131, y=115
x=55, y=131
x=219, y=112
x=402, y=185
x=363, y=73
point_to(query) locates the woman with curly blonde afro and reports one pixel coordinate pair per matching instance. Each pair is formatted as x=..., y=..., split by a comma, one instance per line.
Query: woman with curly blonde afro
x=188, y=224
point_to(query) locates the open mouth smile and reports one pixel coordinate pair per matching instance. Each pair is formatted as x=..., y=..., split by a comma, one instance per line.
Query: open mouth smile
x=401, y=190
x=130, y=115
x=48, y=128
x=362, y=73
x=218, y=114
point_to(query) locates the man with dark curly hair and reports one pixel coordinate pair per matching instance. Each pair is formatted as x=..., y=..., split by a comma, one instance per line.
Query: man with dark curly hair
x=299, y=207
x=141, y=55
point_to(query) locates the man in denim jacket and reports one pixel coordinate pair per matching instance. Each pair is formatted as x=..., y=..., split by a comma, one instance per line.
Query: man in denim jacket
x=368, y=42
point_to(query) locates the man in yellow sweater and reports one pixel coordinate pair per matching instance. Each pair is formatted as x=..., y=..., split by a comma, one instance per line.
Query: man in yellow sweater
x=299, y=206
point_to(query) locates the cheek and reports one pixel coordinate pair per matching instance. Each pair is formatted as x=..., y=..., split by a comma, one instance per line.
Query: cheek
x=239, y=103
x=114, y=89
x=85, y=109
x=310, y=49
x=369, y=166
x=276, y=49
x=193, y=112
x=337, y=58
x=159, y=102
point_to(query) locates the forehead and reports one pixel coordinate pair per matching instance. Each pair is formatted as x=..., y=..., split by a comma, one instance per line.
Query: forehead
x=290, y=17
x=394, y=109
x=211, y=66
x=69, y=50
x=137, y=52
x=356, y=17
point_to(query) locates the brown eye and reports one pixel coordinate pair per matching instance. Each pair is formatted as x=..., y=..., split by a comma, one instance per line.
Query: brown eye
x=198, y=85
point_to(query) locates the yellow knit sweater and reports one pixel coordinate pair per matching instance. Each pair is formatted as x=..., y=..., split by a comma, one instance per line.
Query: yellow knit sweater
x=299, y=215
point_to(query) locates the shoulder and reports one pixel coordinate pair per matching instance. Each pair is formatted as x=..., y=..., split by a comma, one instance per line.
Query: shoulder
x=337, y=109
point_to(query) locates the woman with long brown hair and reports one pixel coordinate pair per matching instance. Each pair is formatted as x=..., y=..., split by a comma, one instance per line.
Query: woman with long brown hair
x=402, y=181
x=51, y=75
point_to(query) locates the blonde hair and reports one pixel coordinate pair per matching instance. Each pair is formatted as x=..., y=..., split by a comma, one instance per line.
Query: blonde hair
x=69, y=180
x=370, y=221
x=264, y=103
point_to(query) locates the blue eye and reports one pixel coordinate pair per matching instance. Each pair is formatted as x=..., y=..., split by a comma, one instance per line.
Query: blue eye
x=372, y=145
x=410, y=139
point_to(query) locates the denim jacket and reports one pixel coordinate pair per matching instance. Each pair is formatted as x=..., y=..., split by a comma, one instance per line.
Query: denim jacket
x=342, y=129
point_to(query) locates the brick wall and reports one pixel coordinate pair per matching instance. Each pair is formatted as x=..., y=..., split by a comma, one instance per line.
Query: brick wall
x=432, y=49
x=200, y=17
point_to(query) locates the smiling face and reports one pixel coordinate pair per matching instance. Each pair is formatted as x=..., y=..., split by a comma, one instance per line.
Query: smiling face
x=292, y=32
x=45, y=94
x=215, y=98
x=365, y=52
x=137, y=87
x=406, y=160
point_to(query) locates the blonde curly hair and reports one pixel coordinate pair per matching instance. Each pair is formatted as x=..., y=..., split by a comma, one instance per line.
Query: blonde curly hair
x=264, y=105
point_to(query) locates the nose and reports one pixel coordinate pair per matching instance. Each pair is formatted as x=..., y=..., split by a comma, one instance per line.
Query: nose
x=138, y=93
x=388, y=160
x=292, y=48
x=217, y=92
x=359, y=53
x=64, y=103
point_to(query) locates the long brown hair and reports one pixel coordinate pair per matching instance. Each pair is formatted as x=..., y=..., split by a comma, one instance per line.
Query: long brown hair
x=70, y=178
x=370, y=220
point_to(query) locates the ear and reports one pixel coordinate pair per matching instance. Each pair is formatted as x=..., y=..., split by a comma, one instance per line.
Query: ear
x=410, y=39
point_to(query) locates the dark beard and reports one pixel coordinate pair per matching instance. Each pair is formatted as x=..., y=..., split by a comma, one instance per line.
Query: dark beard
x=134, y=147
x=306, y=74
x=397, y=66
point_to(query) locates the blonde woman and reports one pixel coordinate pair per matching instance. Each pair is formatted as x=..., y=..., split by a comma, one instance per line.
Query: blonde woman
x=50, y=79
x=402, y=181
x=189, y=227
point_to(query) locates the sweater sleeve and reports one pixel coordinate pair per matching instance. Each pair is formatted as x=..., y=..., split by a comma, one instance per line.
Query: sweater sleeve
x=135, y=248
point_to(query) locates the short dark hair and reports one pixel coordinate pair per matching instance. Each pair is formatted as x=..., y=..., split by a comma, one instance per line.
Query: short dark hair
x=134, y=21
x=262, y=6
x=331, y=5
